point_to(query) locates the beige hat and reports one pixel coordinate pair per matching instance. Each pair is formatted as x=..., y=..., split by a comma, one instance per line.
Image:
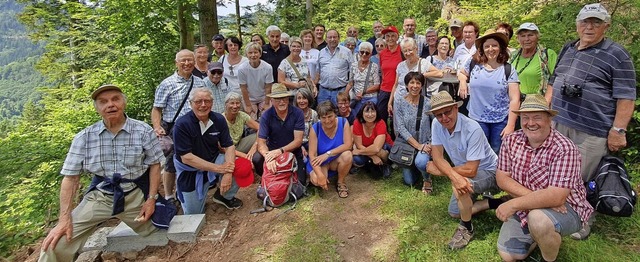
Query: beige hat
x=279, y=90
x=535, y=103
x=500, y=37
x=455, y=23
x=103, y=88
x=441, y=100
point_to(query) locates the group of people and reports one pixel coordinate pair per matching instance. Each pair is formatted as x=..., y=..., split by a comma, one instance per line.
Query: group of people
x=330, y=104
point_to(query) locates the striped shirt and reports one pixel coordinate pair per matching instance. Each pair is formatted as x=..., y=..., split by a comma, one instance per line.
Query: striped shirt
x=605, y=72
x=170, y=93
x=334, y=68
x=556, y=163
x=97, y=151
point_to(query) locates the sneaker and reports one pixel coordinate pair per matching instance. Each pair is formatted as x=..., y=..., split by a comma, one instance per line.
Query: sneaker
x=386, y=171
x=582, y=234
x=234, y=203
x=460, y=238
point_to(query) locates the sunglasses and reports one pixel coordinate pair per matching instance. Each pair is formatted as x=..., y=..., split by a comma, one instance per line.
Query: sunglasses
x=216, y=72
x=365, y=53
x=379, y=45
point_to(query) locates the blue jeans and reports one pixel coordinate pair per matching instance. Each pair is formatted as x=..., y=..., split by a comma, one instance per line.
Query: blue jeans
x=492, y=132
x=362, y=160
x=325, y=94
x=360, y=103
x=193, y=205
x=412, y=174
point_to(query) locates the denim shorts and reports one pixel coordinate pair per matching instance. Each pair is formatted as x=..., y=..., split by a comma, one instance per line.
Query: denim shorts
x=515, y=239
x=485, y=180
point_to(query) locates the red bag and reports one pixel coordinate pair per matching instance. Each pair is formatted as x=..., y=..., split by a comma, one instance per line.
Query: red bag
x=279, y=187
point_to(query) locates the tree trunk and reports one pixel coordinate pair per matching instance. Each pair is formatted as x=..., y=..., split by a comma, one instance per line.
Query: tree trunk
x=309, y=14
x=208, y=16
x=449, y=7
x=186, y=36
x=238, y=19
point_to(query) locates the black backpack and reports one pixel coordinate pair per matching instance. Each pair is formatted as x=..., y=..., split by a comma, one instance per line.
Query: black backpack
x=610, y=191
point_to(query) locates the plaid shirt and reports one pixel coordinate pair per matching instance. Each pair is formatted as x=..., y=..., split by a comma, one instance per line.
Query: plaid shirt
x=170, y=93
x=97, y=151
x=220, y=91
x=555, y=163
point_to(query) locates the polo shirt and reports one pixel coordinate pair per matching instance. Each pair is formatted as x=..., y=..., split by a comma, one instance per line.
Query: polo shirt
x=466, y=143
x=273, y=57
x=388, y=63
x=334, y=67
x=278, y=132
x=189, y=138
x=605, y=72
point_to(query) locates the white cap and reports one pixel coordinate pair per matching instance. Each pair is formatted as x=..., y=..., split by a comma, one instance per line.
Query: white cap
x=528, y=26
x=594, y=10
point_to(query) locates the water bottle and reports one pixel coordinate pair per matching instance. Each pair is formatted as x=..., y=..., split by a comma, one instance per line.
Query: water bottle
x=592, y=185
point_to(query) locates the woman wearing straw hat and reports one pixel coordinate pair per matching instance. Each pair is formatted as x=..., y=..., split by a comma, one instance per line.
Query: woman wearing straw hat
x=492, y=95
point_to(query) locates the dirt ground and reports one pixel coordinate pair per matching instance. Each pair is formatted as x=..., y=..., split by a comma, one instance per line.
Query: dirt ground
x=356, y=225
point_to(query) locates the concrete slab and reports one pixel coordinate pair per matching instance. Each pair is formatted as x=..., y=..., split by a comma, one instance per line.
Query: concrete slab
x=98, y=240
x=217, y=233
x=123, y=239
x=185, y=228
x=90, y=256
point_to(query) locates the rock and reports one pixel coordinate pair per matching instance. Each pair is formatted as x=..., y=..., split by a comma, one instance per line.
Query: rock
x=90, y=256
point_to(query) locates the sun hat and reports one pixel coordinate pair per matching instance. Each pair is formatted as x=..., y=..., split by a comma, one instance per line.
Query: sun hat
x=529, y=27
x=535, y=103
x=242, y=172
x=441, y=100
x=455, y=23
x=103, y=88
x=390, y=29
x=492, y=34
x=594, y=10
x=279, y=90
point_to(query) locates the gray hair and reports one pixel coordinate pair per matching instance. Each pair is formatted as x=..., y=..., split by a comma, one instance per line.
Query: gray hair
x=295, y=39
x=284, y=36
x=232, y=96
x=184, y=51
x=366, y=46
x=350, y=40
x=381, y=40
x=199, y=89
x=253, y=46
x=431, y=29
x=273, y=28
x=408, y=43
x=306, y=93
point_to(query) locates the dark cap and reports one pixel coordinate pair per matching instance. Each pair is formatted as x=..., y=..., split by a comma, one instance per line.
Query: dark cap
x=104, y=88
x=215, y=66
x=217, y=37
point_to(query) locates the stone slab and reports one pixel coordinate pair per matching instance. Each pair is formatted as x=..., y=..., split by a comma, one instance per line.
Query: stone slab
x=217, y=233
x=90, y=256
x=185, y=228
x=98, y=240
x=123, y=239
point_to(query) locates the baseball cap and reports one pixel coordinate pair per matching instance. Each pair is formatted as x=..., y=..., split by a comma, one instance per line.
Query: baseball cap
x=215, y=66
x=455, y=23
x=217, y=37
x=390, y=29
x=594, y=10
x=103, y=88
x=529, y=27
x=242, y=172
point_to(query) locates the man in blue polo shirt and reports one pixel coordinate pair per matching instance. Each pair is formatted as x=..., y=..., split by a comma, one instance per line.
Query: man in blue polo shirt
x=594, y=90
x=197, y=137
x=474, y=170
x=281, y=129
x=333, y=68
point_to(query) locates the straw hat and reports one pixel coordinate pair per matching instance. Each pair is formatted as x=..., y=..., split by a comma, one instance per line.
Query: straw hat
x=535, y=103
x=500, y=37
x=441, y=100
x=279, y=90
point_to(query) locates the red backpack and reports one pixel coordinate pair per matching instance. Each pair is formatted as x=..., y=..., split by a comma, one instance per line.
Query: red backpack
x=279, y=187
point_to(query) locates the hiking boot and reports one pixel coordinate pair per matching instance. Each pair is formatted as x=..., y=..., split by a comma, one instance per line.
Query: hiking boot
x=582, y=234
x=386, y=171
x=234, y=203
x=460, y=238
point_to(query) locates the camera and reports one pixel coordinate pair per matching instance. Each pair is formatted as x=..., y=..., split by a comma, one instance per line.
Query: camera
x=571, y=90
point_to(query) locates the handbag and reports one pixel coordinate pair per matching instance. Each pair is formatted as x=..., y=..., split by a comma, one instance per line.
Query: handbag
x=354, y=101
x=308, y=84
x=402, y=153
x=167, y=140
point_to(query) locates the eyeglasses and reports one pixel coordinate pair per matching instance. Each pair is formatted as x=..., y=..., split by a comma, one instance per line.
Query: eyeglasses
x=445, y=113
x=216, y=72
x=365, y=53
x=379, y=45
x=202, y=101
x=593, y=21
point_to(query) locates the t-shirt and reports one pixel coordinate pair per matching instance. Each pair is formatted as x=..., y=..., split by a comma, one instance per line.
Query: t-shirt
x=489, y=93
x=273, y=57
x=279, y=132
x=530, y=72
x=402, y=70
x=255, y=78
x=290, y=74
x=379, y=129
x=236, y=129
x=231, y=72
x=311, y=57
x=388, y=63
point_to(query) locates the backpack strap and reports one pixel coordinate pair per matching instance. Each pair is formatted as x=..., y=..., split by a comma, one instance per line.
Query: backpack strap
x=471, y=66
x=507, y=71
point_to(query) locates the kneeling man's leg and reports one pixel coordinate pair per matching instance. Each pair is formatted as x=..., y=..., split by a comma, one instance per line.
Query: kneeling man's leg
x=547, y=227
x=514, y=242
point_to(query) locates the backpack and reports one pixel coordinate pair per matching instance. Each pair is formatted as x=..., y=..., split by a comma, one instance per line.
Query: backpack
x=279, y=187
x=610, y=191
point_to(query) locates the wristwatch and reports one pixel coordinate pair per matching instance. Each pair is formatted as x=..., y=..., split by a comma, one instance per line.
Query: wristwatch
x=155, y=197
x=329, y=153
x=621, y=131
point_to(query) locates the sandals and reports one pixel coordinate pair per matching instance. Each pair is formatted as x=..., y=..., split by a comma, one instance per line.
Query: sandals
x=427, y=187
x=343, y=190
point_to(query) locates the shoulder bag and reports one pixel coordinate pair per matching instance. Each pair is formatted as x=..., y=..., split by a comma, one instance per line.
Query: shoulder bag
x=402, y=153
x=167, y=140
x=308, y=83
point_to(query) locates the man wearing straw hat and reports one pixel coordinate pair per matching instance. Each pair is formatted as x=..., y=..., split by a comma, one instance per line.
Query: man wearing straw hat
x=474, y=163
x=540, y=169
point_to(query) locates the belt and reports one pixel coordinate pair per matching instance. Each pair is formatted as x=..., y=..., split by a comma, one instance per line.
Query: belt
x=333, y=88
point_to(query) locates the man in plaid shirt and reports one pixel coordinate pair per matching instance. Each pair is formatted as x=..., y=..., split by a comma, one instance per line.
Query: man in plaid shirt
x=540, y=168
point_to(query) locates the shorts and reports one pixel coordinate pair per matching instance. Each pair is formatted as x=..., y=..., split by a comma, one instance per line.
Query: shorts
x=485, y=180
x=515, y=239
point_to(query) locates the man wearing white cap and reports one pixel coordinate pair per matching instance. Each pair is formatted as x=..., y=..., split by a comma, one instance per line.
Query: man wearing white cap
x=540, y=169
x=594, y=91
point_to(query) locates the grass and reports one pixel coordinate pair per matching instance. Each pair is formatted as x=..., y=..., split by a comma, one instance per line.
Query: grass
x=424, y=228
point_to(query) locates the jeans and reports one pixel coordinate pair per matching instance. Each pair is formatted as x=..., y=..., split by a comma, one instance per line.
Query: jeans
x=360, y=103
x=362, y=160
x=325, y=94
x=412, y=174
x=492, y=132
x=193, y=205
